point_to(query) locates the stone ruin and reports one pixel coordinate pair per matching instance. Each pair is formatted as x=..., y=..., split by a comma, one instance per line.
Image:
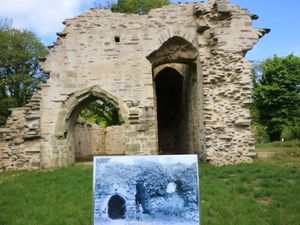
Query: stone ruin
x=177, y=75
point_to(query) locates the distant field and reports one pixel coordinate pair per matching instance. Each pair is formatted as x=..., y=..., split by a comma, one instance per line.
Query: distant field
x=265, y=192
x=279, y=146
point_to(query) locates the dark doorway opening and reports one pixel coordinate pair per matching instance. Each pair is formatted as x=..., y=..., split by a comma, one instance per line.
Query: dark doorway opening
x=169, y=88
x=116, y=207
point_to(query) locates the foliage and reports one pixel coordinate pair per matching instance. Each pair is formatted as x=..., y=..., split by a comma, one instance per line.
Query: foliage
x=260, y=133
x=102, y=113
x=155, y=177
x=20, y=51
x=185, y=185
x=277, y=95
x=287, y=134
x=6, y=23
x=132, y=6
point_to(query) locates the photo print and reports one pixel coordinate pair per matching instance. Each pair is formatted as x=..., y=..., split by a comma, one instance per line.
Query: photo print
x=146, y=190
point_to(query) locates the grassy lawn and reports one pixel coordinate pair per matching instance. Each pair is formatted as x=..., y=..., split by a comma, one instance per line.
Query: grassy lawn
x=265, y=192
x=61, y=196
x=279, y=146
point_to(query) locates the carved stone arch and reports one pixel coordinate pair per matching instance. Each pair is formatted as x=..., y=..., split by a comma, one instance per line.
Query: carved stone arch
x=68, y=116
x=174, y=50
x=79, y=100
x=178, y=31
x=179, y=67
x=176, y=80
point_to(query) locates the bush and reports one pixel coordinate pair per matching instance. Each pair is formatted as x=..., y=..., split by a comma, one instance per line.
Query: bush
x=261, y=134
x=287, y=134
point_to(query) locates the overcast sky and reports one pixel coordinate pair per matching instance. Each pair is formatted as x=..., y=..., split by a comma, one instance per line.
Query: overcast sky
x=45, y=17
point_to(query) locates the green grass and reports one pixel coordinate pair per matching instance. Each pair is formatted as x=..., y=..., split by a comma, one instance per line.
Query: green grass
x=61, y=196
x=279, y=146
x=265, y=192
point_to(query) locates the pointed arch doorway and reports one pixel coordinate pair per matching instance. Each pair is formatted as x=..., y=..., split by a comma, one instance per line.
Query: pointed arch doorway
x=177, y=89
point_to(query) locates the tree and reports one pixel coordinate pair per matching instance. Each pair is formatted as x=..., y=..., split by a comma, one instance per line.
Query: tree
x=276, y=94
x=20, y=51
x=102, y=113
x=132, y=6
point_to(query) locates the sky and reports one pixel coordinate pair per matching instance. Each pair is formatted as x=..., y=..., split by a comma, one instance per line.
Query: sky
x=44, y=17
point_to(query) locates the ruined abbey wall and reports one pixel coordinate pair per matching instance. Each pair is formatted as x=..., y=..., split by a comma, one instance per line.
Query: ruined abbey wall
x=91, y=139
x=115, y=57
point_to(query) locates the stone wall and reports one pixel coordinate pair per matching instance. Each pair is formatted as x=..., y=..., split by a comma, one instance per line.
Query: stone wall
x=115, y=140
x=17, y=150
x=191, y=121
x=226, y=81
x=114, y=56
x=86, y=142
x=92, y=140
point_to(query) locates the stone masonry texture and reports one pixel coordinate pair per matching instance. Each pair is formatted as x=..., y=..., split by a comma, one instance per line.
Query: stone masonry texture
x=177, y=75
x=91, y=139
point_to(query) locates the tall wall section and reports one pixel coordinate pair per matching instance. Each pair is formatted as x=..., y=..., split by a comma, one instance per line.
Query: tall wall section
x=20, y=145
x=106, y=52
x=103, y=55
x=225, y=35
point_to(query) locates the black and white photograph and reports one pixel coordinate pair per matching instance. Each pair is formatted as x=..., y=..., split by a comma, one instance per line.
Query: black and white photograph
x=146, y=190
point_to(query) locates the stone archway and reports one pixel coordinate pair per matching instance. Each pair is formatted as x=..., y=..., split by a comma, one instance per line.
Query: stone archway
x=175, y=50
x=176, y=78
x=116, y=207
x=63, y=142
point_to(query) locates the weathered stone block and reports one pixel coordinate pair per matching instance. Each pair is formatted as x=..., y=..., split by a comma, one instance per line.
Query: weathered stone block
x=133, y=148
x=241, y=122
